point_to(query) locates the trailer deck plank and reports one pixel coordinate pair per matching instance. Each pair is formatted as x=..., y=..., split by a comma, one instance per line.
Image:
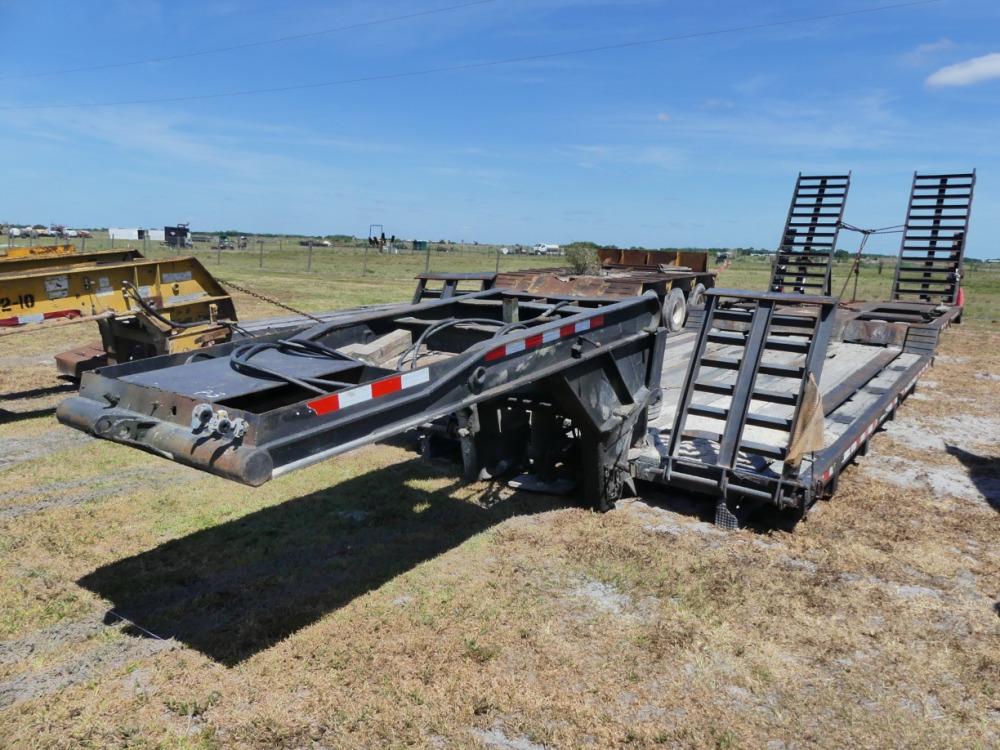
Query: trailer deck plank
x=843, y=361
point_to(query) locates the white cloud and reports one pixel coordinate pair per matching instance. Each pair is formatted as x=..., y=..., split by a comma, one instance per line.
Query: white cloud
x=939, y=46
x=589, y=156
x=663, y=117
x=922, y=53
x=716, y=102
x=968, y=72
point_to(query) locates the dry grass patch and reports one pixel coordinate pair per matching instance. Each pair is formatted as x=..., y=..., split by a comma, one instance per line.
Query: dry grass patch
x=376, y=601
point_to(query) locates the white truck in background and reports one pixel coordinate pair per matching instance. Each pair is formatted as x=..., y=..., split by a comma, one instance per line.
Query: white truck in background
x=543, y=249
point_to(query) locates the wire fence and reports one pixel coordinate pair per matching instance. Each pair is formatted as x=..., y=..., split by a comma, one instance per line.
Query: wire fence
x=402, y=260
x=275, y=256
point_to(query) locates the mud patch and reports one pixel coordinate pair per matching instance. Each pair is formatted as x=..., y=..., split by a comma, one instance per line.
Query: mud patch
x=495, y=739
x=941, y=481
x=94, y=663
x=602, y=596
x=86, y=490
x=11, y=363
x=19, y=450
x=51, y=639
x=935, y=434
x=900, y=590
x=661, y=521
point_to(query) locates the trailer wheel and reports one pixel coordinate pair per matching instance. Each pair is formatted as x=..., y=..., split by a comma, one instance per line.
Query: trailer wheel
x=697, y=296
x=674, y=310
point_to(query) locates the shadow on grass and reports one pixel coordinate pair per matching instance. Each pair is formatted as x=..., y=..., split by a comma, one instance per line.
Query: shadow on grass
x=984, y=472
x=7, y=415
x=235, y=589
x=49, y=390
x=764, y=519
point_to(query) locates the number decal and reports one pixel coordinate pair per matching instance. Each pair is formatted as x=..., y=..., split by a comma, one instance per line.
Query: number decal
x=24, y=301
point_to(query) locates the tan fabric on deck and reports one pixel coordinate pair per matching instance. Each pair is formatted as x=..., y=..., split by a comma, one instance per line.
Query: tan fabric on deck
x=808, y=434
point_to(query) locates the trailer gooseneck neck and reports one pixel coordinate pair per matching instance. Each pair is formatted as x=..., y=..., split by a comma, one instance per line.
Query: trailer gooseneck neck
x=251, y=412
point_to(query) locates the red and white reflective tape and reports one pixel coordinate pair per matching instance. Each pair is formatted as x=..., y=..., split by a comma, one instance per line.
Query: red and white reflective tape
x=384, y=387
x=540, y=339
x=396, y=383
x=21, y=320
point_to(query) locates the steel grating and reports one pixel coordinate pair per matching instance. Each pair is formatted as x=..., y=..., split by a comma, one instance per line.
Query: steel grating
x=710, y=444
x=929, y=268
x=805, y=256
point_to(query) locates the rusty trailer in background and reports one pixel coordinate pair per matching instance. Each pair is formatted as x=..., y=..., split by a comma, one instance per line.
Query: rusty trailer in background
x=678, y=279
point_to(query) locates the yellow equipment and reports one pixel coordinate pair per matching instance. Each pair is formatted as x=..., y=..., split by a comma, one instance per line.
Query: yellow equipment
x=46, y=251
x=143, y=307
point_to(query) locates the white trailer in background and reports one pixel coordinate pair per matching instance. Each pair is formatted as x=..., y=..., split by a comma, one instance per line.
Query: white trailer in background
x=120, y=233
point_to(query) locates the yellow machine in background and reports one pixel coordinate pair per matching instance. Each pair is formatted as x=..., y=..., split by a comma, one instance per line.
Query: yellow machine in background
x=143, y=307
x=46, y=251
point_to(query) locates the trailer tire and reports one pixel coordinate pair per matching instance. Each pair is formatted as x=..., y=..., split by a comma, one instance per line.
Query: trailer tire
x=697, y=296
x=674, y=310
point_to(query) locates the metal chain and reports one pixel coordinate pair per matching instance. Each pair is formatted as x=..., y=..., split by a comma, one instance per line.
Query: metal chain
x=269, y=300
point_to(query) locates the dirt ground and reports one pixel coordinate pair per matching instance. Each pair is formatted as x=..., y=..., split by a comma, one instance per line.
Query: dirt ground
x=376, y=601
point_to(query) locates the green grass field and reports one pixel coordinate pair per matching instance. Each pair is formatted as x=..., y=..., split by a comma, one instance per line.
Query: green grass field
x=343, y=276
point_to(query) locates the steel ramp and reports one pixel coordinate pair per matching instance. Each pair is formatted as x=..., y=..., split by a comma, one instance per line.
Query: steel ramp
x=929, y=267
x=805, y=256
x=743, y=396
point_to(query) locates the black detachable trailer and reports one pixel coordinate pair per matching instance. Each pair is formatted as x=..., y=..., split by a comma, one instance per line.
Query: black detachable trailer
x=602, y=395
x=524, y=383
x=582, y=387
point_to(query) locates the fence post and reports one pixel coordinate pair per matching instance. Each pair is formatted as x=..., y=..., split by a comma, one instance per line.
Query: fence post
x=309, y=263
x=260, y=245
x=364, y=263
x=498, y=259
x=427, y=258
x=218, y=254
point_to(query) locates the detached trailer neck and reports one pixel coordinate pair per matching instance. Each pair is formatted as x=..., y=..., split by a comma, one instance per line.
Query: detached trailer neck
x=515, y=375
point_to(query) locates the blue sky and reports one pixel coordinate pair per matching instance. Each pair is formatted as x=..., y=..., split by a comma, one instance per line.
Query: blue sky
x=694, y=142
